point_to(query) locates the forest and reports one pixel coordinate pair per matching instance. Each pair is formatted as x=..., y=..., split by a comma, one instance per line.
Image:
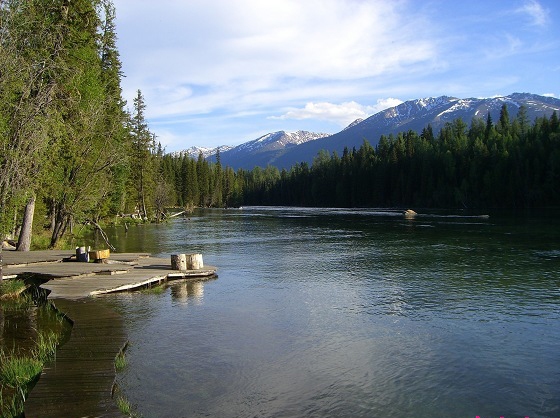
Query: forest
x=72, y=153
x=513, y=163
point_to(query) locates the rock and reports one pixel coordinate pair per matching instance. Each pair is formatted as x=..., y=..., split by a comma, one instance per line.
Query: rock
x=409, y=213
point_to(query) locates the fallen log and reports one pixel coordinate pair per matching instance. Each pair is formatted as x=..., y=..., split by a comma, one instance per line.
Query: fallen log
x=177, y=214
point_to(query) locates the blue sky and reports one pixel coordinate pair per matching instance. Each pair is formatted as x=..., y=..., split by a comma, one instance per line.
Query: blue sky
x=224, y=72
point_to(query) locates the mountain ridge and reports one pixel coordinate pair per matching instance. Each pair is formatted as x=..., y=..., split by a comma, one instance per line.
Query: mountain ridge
x=284, y=149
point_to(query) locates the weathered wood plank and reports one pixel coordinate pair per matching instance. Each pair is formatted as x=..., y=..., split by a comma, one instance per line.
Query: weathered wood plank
x=80, y=381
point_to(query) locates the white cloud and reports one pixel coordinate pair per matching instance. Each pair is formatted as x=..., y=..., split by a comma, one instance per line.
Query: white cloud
x=537, y=13
x=250, y=50
x=342, y=114
x=213, y=70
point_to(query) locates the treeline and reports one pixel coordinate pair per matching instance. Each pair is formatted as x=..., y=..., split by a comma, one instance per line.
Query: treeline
x=513, y=163
x=69, y=152
x=507, y=164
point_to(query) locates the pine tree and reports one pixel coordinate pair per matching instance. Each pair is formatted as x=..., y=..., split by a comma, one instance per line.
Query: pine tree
x=141, y=161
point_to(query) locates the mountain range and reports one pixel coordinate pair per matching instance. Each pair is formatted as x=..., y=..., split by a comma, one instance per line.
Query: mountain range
x=284, y=149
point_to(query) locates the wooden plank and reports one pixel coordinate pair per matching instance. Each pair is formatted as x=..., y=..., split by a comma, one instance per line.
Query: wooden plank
x=79, y=382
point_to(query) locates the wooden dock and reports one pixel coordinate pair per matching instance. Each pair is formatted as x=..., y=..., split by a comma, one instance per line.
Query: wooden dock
x=80, y=381
x=74, y=280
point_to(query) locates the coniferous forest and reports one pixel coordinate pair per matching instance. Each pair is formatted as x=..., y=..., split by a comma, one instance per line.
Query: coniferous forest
x=71, y=153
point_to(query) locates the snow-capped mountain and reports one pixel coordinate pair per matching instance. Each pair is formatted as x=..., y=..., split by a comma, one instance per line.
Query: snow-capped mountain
x=194, y=151
x=417, y=114
x=278, y=140
x=285, y=149
x=265, y=150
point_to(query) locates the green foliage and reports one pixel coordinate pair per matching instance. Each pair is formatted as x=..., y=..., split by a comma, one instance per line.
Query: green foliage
x=12, y=287
x=120, y=361
x=510, y=164
x=124, y=406
x=17, y=371
x=21, y=366
x=47, y=342
x=62, y=123
x=10, y=406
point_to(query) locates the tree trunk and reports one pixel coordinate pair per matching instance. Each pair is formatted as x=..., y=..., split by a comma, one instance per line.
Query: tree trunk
x=60, y=225
x=24, y=241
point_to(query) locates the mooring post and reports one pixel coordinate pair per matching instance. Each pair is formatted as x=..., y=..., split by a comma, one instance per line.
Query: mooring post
x=194, y=261
x=178, y=262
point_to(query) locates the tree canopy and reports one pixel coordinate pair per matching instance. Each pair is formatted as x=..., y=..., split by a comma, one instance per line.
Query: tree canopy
x=71, y=152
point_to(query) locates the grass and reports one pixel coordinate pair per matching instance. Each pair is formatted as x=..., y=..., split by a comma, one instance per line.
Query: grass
x=11, y=406
x=47, y=342
x=124, y=405
x=120, y=361
x=19, y=369
x=155, y=290
x=17, y=372
x=11, y=288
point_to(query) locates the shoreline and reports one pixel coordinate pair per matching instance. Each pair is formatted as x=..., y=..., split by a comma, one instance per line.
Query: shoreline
x=82, y=378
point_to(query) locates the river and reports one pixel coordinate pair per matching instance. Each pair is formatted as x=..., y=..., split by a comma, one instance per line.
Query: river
x=348, y=313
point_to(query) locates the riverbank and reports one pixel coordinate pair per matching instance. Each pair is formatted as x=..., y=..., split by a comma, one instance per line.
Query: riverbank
x=81, y=379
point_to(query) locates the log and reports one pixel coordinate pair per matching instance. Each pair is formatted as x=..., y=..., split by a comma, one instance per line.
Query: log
x=178, y=262
x=194, y=261
x=176, y=214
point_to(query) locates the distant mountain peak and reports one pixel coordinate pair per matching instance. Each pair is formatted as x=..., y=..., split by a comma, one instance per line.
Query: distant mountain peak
x=195, y=151
x=278, y=140
x=285, y=149
x=357, y=121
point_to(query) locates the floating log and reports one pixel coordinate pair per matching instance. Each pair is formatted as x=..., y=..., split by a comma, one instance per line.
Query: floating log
x=178, y=262
x=177, y=214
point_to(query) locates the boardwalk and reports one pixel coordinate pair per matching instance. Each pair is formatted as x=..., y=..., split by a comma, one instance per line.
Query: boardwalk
x=79, y=382
x=73, y=280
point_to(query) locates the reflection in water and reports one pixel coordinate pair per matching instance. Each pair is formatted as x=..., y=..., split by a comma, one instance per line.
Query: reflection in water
x=188, y=290
x=327, y=313
x=18, y=326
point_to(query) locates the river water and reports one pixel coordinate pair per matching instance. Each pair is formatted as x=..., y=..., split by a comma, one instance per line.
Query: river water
x=348, y=313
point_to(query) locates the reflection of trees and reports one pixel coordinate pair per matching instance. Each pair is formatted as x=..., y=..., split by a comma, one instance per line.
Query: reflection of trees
x=18, y=327
x=185, y=290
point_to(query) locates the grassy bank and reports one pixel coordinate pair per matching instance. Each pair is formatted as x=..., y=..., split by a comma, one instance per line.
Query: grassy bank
x=23, y=358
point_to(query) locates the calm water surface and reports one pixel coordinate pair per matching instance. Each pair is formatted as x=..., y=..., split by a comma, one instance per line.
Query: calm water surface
x=348, y=313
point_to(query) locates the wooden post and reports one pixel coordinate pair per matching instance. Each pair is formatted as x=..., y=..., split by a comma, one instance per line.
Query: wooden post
x=194, y=261
x=178, y=262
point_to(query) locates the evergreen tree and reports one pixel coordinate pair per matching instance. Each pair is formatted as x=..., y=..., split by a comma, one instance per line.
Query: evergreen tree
x=142, y=172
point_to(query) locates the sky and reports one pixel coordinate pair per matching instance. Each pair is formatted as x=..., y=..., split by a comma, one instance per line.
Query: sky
x=225, y=72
